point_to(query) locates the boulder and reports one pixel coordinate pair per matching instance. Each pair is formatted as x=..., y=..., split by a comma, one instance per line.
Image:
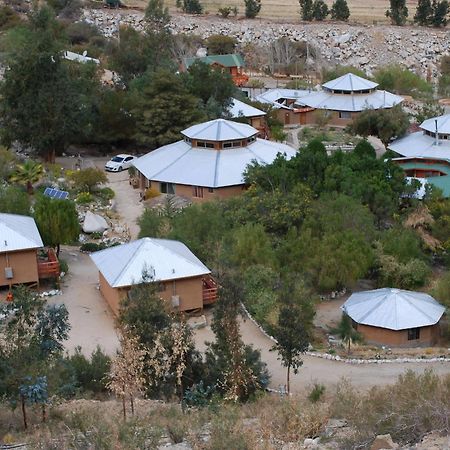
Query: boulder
x=383, y=442
x=93, y=223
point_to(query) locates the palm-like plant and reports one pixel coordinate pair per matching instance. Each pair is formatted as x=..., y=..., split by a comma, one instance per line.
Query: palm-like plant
x=346, y=332
x=27, y=174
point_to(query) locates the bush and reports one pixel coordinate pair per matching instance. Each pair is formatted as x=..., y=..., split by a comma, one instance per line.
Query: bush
x=90, y=247
x=316, y=393
x=63, y=266
x=218, y=44
x=106, y=193
x=88, y=179
x=14, y=201
x=192, y=7
x=84, y=198
x=81, y=32
x=226, y=11
x=90, y=373
x=252, y=8
x=8, y=18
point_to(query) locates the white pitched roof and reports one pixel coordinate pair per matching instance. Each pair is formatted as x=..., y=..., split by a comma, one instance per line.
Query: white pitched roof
x=421, y=145
x=274, y=95
x=219, y=130
x=18, y=233
x=394, y=309
x=72, y=56
x=162, y=258
x=350, y=102
x=182, y=164
x=443, y=124
x=350, y=82
x=241, y=109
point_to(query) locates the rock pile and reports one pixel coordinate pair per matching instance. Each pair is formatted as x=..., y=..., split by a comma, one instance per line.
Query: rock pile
x=363, y=46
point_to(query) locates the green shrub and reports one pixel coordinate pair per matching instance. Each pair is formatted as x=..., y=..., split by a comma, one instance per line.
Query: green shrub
x=90, y=247
x=81, y=32
x=106, y=193
x=316, y=393
x=88, y=179
x=8, y=18
x=192, y=7
x=90, y=373
x=84, y=198
x=63, y=266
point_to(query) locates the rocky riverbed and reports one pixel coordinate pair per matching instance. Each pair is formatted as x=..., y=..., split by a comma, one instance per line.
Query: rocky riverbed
x=364, y=46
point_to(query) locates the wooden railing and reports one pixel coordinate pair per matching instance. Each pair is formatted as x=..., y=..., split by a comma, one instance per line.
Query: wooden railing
x=209, y=291
x=49, y=268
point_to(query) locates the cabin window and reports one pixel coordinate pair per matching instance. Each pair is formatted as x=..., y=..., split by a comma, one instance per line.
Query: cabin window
x=203, y=144
x=345, y=115
x=231, y=144
x=198, y=191
x=188, y=140
x=413, y=334
x=211, y=190
x=167, y=188
x=251, y=139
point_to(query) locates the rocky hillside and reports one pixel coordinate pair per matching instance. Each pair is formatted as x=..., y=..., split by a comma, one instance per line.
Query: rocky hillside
x=364, y=46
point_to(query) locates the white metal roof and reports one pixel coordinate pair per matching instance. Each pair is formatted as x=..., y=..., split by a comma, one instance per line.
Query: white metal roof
x=219, y=130
x=241, y=109
x=421, y=145
x=443, y=124
x=350, y=102
x=18, y=233
x=163, y=259
x=181, y=163
x=273, y=96
x=394, y=309
x=72, y=56
x=350, y=82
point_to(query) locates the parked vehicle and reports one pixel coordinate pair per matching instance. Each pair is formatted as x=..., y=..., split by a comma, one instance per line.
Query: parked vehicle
x=119, y=163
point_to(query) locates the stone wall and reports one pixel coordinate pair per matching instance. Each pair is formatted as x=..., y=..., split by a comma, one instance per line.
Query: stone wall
x=363, y=46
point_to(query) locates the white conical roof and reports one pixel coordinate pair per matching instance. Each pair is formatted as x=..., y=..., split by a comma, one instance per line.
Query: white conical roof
x=443, y=124
x=18, y=233
x=394, y=309
x=219, y=130
x=163, y=259
x=350, y=83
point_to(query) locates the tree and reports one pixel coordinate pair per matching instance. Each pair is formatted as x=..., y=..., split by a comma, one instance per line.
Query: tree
x=127, y=370
x=44, y=98
x=14, y=201
x=346, y=332
x=252, y=8
x=57, y=221
x=219, y=44
x=291, y=333
x=31, y=337
x=306, y=7
x=86, y=180
x=33, y=393
x=320, y=10
x=235, y=368
x=440, y=13
x=427, y=111
x=157, y=15
x=340, y=10
x=398, y=12
x=424, y=12
x=164, y=108
x=384, y=123
x=214, y=87
x=27, y=174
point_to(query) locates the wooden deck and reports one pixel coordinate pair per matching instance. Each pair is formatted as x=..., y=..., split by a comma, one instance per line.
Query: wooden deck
x=49, y=268
x=210, y=289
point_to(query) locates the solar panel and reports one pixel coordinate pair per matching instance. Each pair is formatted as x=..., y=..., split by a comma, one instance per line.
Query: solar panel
x=56, y=193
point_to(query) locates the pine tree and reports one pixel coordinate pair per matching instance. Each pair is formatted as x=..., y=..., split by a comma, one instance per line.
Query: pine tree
x=440, y=12
x=424, y=12
x=346, y=332
x=398, y=12
x=320, y=10
x=340, y=10
x=306, y=9
x=252, y=8
x=157, y=15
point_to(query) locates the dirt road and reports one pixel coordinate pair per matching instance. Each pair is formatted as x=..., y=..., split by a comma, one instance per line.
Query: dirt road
x=320, y=370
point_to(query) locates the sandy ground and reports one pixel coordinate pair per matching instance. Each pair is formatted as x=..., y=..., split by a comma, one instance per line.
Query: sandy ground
x=93, y=323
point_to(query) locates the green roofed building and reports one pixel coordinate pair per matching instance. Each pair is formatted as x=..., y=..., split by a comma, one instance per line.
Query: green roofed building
x=433, y=171
x=232, y=63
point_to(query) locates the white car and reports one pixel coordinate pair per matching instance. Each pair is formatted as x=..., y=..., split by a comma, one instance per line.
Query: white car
x=119, y=163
